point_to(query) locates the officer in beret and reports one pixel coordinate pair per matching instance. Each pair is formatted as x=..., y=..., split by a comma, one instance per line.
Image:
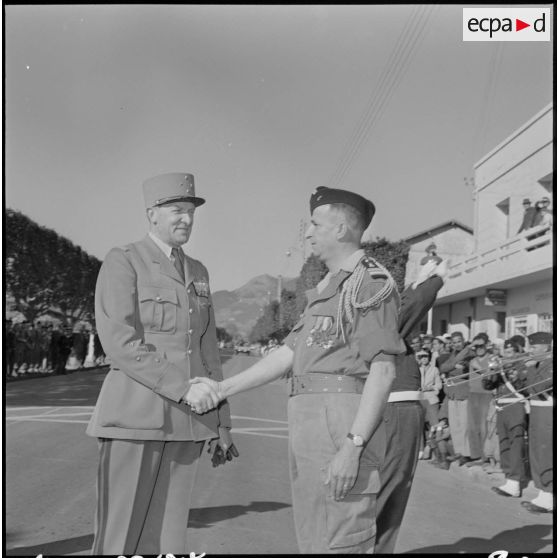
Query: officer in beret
x=155, y=321
x=342, y=357
x=539, y=376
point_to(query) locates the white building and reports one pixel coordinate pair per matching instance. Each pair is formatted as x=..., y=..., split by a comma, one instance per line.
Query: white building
x=505, y=286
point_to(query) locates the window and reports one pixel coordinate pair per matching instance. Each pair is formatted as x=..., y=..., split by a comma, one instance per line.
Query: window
x=519, y=326
x=546, y=323
x=501, y=321
x=443, y=327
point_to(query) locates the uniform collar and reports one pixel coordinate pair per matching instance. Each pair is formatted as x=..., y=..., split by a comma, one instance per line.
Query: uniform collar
x=165, y=248
x=348, y=265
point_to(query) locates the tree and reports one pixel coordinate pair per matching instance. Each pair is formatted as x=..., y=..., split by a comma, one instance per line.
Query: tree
x=312, y=272
x=392, y=255
x=223, y=335
x=46, y=272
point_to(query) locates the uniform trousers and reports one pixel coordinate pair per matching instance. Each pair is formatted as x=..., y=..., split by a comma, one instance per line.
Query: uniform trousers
x=511, y=423
x=318, y=426
x=540, y=447
x=458, y=423
x=404, y=427
x=143, y=496
x=477, y=416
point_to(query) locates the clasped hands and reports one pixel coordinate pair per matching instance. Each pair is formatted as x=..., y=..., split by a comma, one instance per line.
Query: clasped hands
x=204, y=395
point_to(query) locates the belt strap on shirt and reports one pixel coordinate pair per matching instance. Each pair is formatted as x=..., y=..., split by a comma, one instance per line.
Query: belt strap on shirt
x=325, y=383
x=396, y=396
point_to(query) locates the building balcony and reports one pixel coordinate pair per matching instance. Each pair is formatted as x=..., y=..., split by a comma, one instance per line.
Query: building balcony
x=517, y=261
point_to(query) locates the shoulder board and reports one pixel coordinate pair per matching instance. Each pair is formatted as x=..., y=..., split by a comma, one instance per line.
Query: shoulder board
x=125, y=247
x=374, y=271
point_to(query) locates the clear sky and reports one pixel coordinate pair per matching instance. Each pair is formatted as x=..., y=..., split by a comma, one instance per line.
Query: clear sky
x=262, y=104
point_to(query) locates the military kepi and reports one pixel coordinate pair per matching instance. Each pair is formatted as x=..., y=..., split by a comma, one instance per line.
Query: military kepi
x=540, y=338
x=170, y=187
x=324, y=195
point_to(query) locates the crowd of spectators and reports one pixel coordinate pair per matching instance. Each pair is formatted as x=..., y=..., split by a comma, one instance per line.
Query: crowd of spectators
x=536, y=216
x=478, y=398
x=49, y=348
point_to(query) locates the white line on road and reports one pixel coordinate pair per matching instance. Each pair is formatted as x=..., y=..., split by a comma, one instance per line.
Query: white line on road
x=260, y=419
x=260, y=434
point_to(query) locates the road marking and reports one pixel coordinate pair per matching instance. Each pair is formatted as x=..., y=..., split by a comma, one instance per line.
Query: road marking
x=261, y=434
x=259, y=419
x=31, y=419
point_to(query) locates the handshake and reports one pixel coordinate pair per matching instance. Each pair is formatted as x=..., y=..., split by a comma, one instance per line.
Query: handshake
x=204, y=395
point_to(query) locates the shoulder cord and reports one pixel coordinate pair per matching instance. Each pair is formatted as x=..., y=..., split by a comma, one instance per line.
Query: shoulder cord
x=349, y=291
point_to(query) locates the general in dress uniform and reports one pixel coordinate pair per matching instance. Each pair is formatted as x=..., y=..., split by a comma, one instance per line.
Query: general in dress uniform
x=341, y=353
x=155, y=320
x=539, y=376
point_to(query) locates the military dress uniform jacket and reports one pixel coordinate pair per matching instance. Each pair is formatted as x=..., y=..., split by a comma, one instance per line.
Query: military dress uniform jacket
x=318, y=343
x=158, y=332
x=539, y=378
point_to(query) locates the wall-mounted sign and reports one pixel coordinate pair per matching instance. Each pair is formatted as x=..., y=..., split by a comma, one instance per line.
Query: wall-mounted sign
x=495, y=297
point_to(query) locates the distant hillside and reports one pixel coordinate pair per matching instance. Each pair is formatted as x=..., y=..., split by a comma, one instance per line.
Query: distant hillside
x=237, y=311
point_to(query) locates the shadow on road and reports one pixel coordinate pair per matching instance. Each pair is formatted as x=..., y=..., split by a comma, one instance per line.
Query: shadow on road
x=528, y=539
x=55, y=548
x=206, y=517
x=78, y=388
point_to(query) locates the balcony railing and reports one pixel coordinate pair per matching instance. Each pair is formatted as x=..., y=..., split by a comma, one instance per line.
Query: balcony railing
x=528, y=251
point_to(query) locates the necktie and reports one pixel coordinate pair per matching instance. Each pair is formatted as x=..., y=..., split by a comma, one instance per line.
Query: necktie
x=179, y=262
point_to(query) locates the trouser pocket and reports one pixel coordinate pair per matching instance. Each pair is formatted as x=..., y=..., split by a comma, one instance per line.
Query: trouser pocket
x=352, y=521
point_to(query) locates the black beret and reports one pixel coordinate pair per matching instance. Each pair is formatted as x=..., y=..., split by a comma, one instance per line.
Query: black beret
x=540, y=338
x=512, y=343
x=519, y=339
x=324, y=195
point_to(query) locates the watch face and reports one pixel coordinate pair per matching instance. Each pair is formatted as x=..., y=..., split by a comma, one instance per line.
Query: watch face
x=358, y=441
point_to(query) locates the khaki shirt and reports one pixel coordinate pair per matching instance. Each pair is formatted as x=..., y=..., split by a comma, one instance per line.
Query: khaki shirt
x=316, y=339
x=158, y=332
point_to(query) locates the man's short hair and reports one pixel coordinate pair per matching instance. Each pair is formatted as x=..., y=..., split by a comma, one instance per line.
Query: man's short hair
x=457, y=334
x=354, y=218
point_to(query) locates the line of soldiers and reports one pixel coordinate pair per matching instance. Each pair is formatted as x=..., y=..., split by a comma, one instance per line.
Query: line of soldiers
x=495, y=406
x=46, y=348
x=524, y=396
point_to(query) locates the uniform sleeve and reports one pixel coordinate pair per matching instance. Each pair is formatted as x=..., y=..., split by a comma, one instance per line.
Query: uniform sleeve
x=415, y=303
x=211, y=359
x=376, y=329
x=116, y=316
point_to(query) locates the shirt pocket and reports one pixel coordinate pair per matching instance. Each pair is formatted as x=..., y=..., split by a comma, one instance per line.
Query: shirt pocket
x=158, y=309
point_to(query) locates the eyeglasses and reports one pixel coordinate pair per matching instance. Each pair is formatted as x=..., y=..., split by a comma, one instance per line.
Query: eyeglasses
x=480, y=347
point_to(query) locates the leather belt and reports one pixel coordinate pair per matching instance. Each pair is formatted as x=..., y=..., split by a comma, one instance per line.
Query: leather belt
x=396, y=396
x=325, y=383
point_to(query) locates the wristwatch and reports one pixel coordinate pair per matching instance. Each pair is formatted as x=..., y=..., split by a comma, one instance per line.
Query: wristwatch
x=356, y=439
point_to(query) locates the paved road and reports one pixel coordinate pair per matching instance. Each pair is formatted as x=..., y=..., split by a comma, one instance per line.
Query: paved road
x=243, y=507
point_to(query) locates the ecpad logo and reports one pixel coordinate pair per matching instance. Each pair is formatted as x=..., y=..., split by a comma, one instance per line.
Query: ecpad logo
x=506, y=24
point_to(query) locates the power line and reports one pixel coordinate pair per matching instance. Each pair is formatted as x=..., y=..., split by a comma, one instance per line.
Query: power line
x=391, y=75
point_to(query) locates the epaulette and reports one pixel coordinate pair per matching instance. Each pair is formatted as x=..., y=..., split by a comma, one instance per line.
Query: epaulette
x=374, y=270
x=348, y=299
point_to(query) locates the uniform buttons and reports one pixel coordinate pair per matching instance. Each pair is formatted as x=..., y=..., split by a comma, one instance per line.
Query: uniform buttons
x=138, y=358
x=157, y=297
x=188, y=291
x=191, y=310
x=189, y=351
x=190, y=331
